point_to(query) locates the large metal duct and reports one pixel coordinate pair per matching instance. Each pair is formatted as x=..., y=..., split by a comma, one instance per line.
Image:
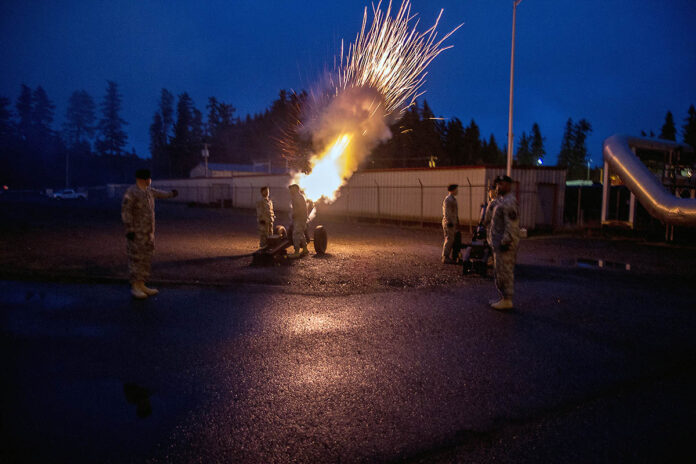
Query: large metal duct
x=661, y=204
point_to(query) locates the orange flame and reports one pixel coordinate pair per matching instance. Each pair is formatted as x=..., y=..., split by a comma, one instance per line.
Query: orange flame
x=329, y=170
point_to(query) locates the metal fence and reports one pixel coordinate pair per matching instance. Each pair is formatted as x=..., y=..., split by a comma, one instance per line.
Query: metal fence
x=403, y=203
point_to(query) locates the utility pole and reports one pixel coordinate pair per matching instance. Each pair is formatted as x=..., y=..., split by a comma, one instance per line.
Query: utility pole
x=512, y=77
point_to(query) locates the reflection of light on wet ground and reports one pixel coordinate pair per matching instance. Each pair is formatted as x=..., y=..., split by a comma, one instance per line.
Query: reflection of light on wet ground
x=320, y=373
x=304, y=323
x=602, y=263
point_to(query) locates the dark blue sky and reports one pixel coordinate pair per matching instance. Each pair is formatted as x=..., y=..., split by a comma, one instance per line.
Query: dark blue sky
x=621, y=64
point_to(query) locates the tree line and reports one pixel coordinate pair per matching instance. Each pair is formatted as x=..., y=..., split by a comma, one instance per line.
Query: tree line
x=89, y=148
x=92, y=140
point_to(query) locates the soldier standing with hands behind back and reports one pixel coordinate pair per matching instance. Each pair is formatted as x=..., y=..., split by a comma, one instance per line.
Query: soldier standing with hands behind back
x=138, y=216
x=450, y=222
x=505, y=236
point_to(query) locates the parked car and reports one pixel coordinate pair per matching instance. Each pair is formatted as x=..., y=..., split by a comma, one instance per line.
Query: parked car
x=69, y=194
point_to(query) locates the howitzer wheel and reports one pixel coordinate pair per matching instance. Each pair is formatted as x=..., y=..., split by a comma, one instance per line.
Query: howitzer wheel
x=320, y=240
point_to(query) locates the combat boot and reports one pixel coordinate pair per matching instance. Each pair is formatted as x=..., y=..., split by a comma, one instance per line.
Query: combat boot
x=503, y=304
x=304, y=251
x=294, y=255
x=138, y=293
x=148, y=291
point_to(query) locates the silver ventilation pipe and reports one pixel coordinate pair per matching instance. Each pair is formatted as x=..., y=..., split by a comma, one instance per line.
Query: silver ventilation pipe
x=661, y=204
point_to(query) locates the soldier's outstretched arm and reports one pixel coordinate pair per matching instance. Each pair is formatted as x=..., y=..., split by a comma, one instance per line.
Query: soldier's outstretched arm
x=163, y=193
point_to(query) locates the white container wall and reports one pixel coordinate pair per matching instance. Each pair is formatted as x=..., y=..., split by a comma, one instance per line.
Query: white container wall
x=414, y=195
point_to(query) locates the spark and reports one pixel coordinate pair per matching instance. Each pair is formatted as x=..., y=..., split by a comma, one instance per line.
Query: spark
x=379, y=76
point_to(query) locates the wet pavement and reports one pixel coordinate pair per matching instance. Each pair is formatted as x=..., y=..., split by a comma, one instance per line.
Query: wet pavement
x=594, y=365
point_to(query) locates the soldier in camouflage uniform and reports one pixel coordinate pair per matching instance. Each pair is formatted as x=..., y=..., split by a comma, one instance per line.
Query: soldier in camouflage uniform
x=299, y=221
x=505, y=236
x=490, y=207
x=450, y=222
x=138, y=216
x=265, y=216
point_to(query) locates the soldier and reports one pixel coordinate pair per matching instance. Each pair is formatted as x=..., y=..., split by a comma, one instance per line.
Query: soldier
x=265, y=216
x=505, y=236
x=492, y=201
x=138, y=216
x=450, y=223
x=299, y=221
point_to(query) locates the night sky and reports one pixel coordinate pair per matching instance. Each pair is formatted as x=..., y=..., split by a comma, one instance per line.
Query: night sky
x=621, y=64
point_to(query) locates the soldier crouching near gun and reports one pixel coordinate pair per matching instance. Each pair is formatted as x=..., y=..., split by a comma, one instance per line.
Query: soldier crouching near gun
x=138, y=215
x=265, y=216
x=299, y=221
x=505, y=236
x=450, y=223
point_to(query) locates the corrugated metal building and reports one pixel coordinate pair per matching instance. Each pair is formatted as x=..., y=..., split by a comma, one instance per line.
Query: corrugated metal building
x=398, y=194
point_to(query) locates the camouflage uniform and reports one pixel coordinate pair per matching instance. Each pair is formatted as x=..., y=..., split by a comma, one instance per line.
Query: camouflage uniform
x=265, y=217
x=450, y=221
x=138, y=216
x=505, y=231
x=299, y=219
x=488, y=218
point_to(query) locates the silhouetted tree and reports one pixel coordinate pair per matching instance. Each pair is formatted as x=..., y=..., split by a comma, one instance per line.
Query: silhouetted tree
x=454, y=150
x=669, y=131
x=79, y=119
x=472, y=143
x=42, y=112
x=523, y=155
x=428, y=135
x=689, y=127
x=112, y=138
x=24, y=113
x=5, y=121
x=186, y=144
x=536, y=144
x=565, y=156
x=491, y=153
x=573, y=155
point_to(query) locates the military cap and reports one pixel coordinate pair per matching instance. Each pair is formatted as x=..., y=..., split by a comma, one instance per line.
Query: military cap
x=452, y=187
x=143, y=174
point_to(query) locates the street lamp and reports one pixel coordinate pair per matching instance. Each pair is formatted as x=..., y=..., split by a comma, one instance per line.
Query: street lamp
x=205, y=155
x=512, y=75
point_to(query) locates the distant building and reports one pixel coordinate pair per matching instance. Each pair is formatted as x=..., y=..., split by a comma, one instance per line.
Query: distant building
x=231, y=170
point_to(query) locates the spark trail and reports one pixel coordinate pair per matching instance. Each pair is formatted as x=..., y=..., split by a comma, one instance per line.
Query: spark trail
x=379, y=76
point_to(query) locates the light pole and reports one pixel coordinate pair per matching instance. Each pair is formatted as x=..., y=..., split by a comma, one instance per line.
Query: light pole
x=512, y=76
x=205, y=155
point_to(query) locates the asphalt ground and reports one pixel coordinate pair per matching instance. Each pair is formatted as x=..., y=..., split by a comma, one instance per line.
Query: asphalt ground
x=395, y=359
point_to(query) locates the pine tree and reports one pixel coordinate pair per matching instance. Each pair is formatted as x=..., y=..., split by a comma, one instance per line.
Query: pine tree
x=79, y=118
x=537, y=145
x=523, y=155
x=42, y=112
x=689, y=127
x=566, y=154
x=472, y=144
x=5, y=121
x=24, y=106
x=454, y=152
x=669, y=131
x=491, y=153
x=188, y=137
x=112, y=138
x=166, y=109
x=428, y=135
